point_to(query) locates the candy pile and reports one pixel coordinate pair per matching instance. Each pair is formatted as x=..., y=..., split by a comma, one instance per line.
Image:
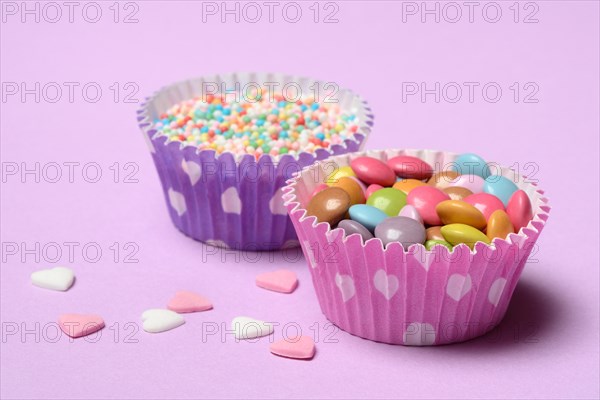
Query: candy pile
x=257, y=125
x=404, y=201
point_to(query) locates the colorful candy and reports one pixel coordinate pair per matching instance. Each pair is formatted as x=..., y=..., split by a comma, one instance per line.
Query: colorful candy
x=404, y=201
x=256, y=124
x=329, y=205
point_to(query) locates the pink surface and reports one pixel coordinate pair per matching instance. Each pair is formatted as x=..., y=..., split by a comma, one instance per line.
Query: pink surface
x=546, y=346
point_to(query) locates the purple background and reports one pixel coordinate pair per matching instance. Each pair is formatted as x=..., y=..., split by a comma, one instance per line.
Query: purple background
x=547, y=345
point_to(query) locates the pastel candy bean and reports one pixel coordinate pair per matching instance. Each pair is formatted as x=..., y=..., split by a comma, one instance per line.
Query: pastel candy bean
x=353, y=189
x=366, y=215
x=410, y=167
x=351, y=227
x=434, y=233
x=471, y=164
x=371, y=170
x=499, y=225
x=519, y=210
x=500, y=187
x=410, y=212
x=460, y=212
x=388, y=200
x=339, y=173
x=319, y=188
x=405, y=230
x=406, y=185
x=372, y=189
x=485, y=202
x=430, y=243
x=329, y=205
x=425, y=199
x=472, y=182
x=457, y=192
x=456, y=234
x=442, y=179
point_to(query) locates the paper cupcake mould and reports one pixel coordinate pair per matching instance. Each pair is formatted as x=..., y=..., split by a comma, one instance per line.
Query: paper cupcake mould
x=227, y=200
x=413, y=297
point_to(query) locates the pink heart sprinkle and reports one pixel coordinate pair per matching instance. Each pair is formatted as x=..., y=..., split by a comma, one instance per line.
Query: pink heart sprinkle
x=302, y=347
x=78, y=325
x=186, y=302
x=283, y=281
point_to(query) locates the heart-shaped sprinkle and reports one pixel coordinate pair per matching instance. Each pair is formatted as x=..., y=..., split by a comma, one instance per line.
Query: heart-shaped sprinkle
x=250, y=328
x=283, y=281
x=187, y=302
x=78, y=325
x=158, y=320
x=57, y=278
x=302, y=347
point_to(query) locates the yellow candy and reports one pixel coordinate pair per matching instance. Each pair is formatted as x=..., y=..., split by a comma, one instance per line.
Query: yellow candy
x=499, y=225
x=339, y=173
x=406, y=185
x=460, y=233
x=461, y=212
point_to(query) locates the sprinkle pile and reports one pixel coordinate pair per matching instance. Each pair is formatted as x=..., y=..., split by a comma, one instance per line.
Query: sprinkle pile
x=257, y=125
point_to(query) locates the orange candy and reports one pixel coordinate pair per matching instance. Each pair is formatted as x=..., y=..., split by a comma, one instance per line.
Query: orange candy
x=460, y=212
x=406, y=185
x=499, y=225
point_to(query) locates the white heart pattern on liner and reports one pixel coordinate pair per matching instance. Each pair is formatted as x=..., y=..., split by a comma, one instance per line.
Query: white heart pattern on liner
x=311, y=255
x=177, y=202
x=458, y=285
x=276, y=203
x=250, y=328
x=386, y=284
x=158, y=320
x=496, y=290
x=419, y=334
x=230, y=201
x=345, y=284
x=57, y=278
x=193, y=170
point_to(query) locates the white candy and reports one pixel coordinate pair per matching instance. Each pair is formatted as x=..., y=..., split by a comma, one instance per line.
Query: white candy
x=58, y=278
x=250, y=328
x=158, y=320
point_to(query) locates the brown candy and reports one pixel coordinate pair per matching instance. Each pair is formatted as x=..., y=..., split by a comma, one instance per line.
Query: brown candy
x=352, y=188
x=434, y=233
x=460, y=212
x=457, y=192
x=442, y=179
x=329, y=205
x=499, y=225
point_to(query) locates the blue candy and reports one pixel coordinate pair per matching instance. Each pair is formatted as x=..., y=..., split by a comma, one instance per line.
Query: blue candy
x=500, y=187
x=471, y=164
x=367, y=216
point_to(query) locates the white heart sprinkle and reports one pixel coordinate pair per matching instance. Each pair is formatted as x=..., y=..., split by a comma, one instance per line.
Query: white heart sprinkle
x=345, y=284
x=57, y=278
x=276, y=203
x=177, y=202
x=458, y=285
x=496, y=291
x=158, y=320
x=250, y=328
x=193, y=170
x=419, y=334
x=386, y=284
x=230, y=200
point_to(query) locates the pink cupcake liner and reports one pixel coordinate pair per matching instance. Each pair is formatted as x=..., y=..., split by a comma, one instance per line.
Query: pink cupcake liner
x=414, y=296
x=227, y=200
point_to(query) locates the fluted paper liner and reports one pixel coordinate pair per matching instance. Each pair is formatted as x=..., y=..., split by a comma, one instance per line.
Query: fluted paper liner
x=413, y=297
x=232, y=200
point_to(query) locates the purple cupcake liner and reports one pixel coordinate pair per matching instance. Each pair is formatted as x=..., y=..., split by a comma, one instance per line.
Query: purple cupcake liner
x=414, y=296
x=227, y=200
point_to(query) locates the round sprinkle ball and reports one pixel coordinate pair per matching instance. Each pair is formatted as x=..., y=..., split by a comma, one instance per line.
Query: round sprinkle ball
x=257, y=125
